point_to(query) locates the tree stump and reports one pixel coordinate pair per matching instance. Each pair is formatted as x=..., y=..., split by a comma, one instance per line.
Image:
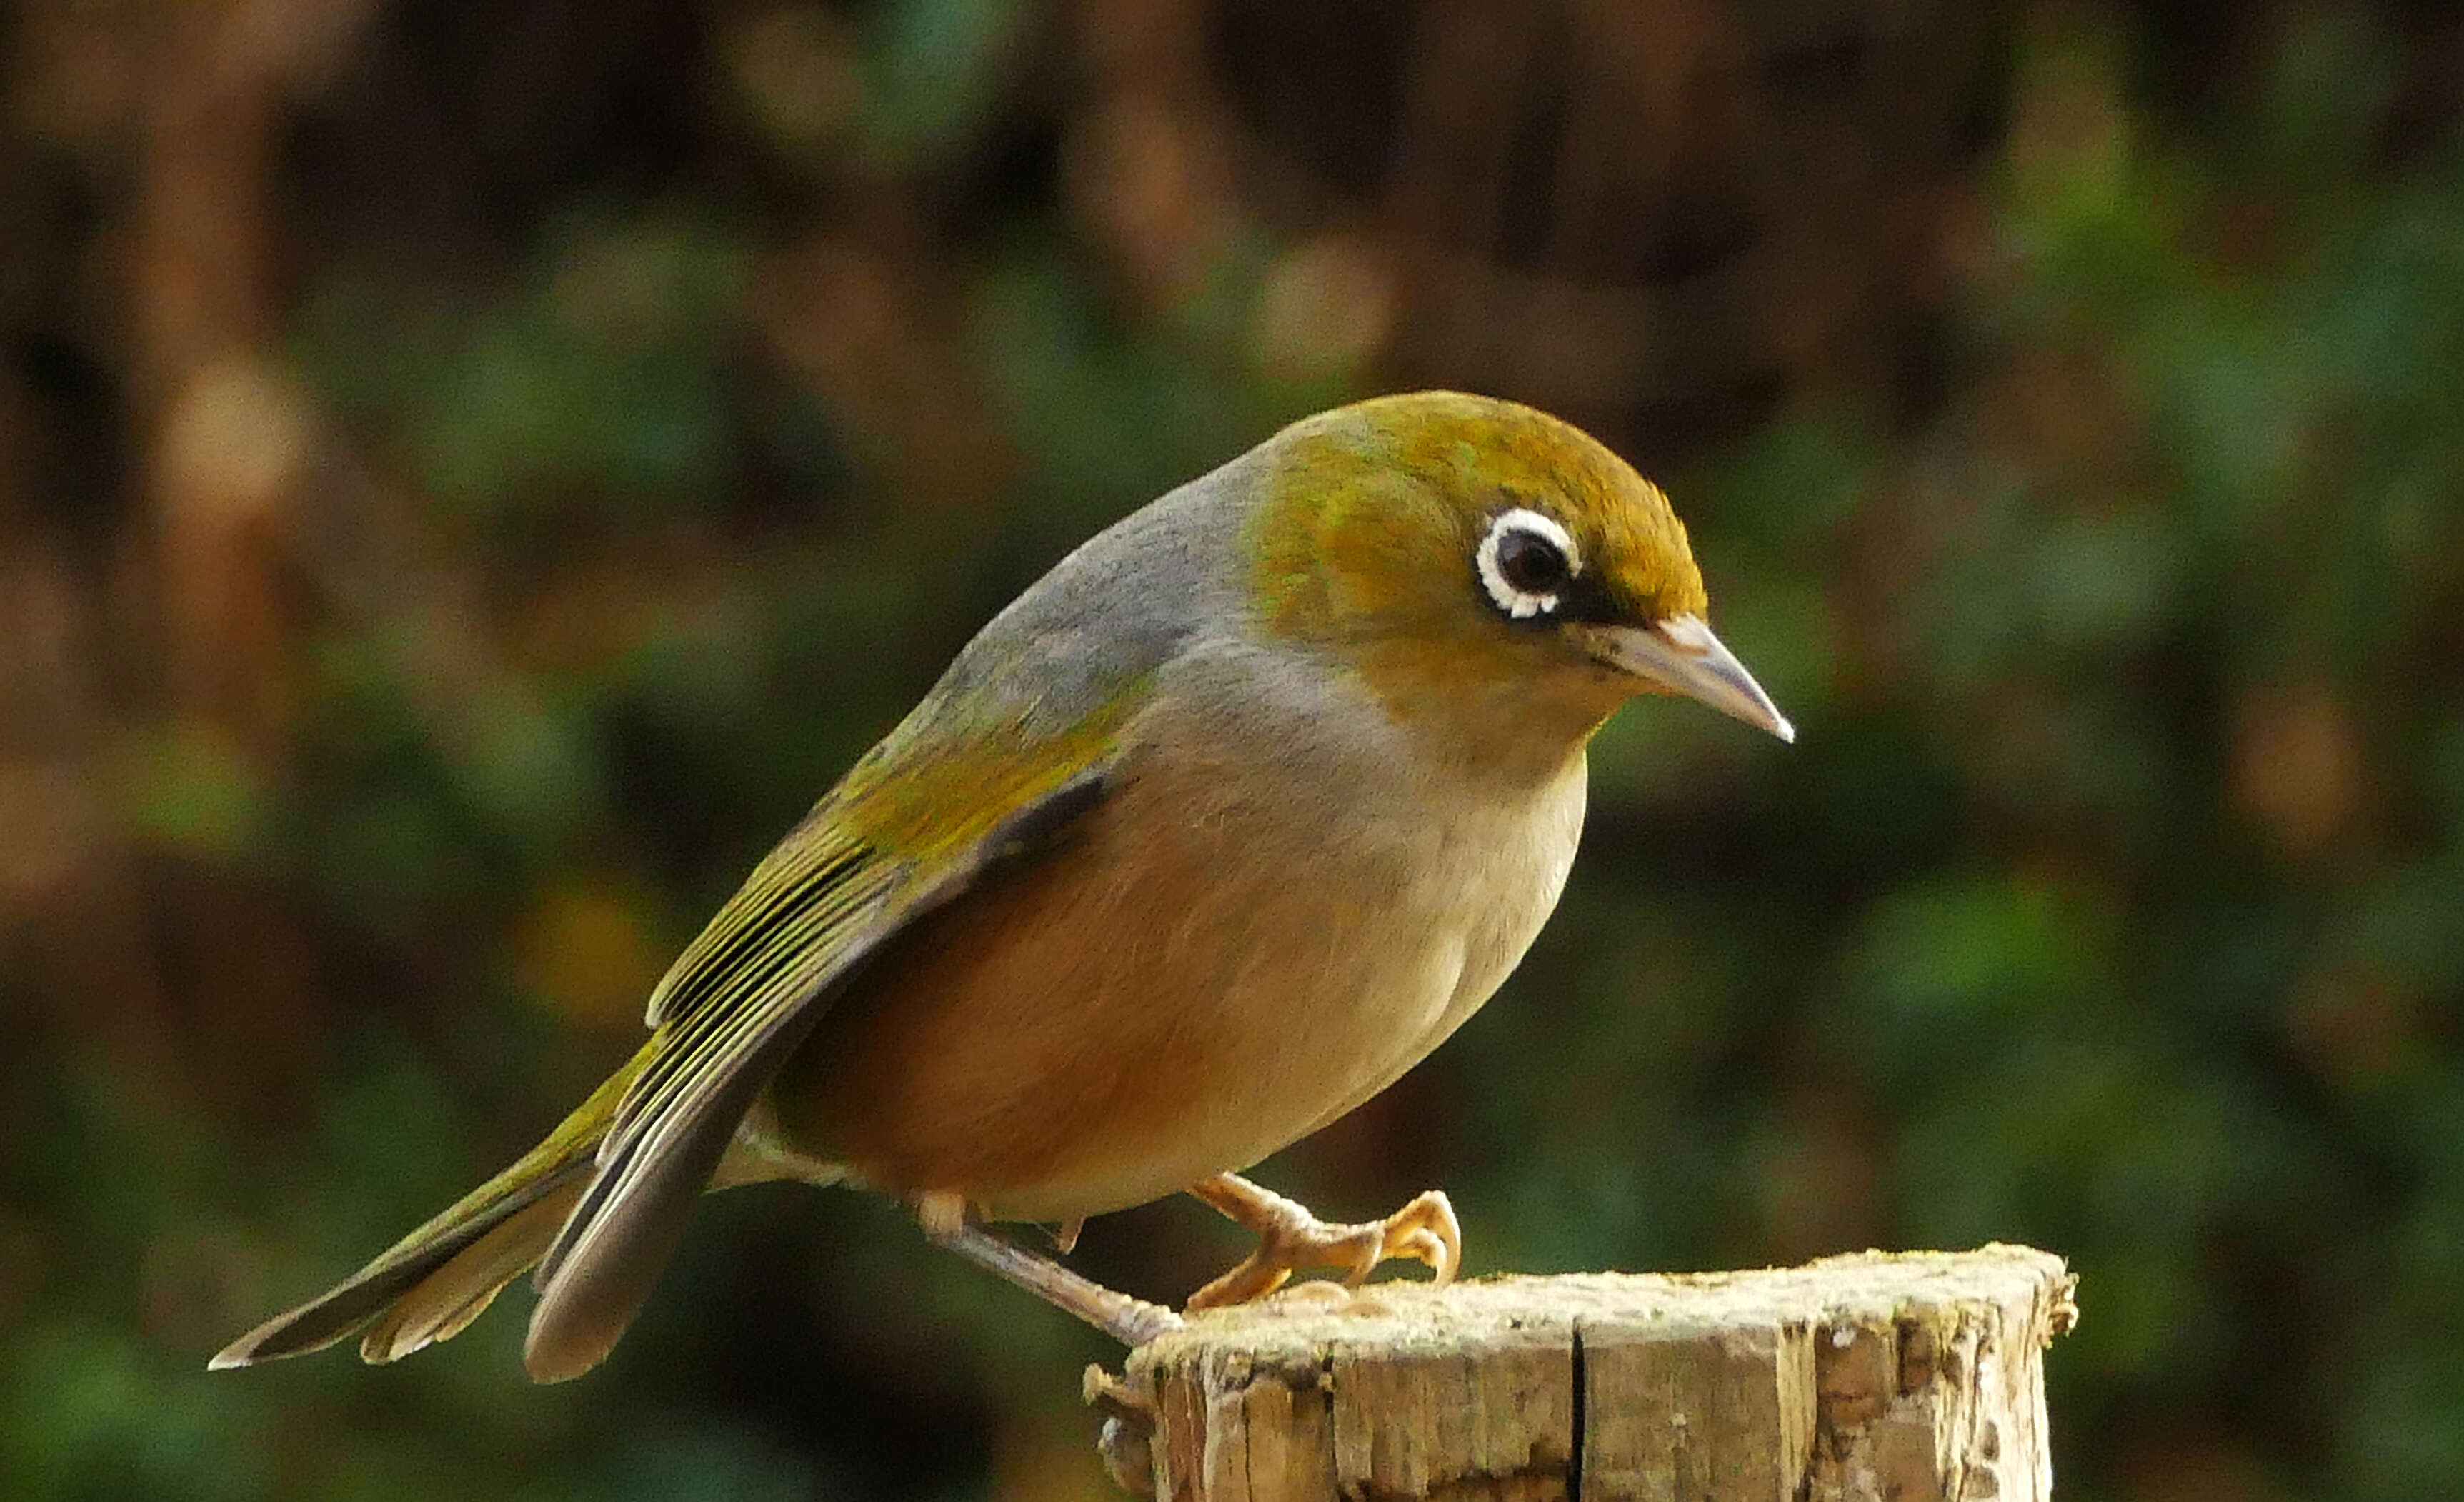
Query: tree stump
x=1913, y=1378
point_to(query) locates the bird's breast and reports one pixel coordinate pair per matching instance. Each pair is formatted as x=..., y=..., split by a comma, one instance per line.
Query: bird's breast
x=1214, y=962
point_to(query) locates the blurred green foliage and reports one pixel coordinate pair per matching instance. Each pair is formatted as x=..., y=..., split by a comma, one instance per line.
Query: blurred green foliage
x=2110, y=901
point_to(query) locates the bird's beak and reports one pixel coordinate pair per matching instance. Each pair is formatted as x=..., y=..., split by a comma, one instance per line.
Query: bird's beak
x=1680, y=656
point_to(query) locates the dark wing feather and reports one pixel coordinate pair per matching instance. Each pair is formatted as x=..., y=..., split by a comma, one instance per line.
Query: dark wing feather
x=736, y=1005
x=1014, y=742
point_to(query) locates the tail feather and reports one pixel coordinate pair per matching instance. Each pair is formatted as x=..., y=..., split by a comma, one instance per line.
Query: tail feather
x=429, y=1284
x=460, y=1290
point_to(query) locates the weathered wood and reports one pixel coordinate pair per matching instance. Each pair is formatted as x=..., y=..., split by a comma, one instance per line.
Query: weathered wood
x=1913, y=1378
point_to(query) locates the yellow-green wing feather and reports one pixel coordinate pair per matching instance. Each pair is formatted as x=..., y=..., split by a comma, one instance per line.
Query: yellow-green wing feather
x=912, y=827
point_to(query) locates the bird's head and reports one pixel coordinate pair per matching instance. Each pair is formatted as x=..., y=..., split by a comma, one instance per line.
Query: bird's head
x=1473, y=557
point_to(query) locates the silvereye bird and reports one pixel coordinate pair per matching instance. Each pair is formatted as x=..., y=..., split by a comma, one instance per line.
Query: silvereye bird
x=1210, y=835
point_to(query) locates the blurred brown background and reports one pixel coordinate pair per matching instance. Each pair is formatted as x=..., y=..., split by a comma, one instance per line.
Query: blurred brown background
x=470, y=474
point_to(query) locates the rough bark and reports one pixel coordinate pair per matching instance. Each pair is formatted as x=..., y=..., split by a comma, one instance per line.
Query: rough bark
x=1916, y=1377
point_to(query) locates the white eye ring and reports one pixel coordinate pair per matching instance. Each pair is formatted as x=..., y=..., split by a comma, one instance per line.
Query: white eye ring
x=1522, y=604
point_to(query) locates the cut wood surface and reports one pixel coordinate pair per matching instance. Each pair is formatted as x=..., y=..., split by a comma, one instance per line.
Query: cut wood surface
x=1911, y=1377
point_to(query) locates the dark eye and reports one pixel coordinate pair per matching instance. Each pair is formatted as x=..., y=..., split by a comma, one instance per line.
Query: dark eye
x=1530, y=563
x=1525, y=562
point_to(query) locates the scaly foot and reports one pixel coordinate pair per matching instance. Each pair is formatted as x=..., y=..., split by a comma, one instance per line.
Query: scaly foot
x=1290, y=1238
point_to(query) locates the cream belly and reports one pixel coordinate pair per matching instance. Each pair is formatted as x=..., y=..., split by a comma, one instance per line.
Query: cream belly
x=1193, y=981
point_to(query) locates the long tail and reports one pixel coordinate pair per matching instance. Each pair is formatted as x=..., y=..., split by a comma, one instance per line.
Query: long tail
x=429, y=1284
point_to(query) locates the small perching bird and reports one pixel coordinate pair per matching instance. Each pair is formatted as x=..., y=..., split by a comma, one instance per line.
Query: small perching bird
x=1210, y=835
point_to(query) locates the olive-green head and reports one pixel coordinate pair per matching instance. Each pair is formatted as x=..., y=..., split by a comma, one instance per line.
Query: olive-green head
x=1468, y=552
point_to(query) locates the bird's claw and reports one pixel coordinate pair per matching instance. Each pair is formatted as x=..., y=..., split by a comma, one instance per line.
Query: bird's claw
x=1289, y=1239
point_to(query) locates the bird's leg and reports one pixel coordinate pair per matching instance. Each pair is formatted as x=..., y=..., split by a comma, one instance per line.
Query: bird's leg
x=1132, y=1321
x=1290, y=1238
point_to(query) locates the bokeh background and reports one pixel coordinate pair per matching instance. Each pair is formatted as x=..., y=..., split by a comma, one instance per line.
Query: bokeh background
x=472, y=472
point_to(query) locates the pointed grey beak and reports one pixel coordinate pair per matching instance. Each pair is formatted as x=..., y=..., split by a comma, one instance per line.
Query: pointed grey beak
x=1680, y=656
